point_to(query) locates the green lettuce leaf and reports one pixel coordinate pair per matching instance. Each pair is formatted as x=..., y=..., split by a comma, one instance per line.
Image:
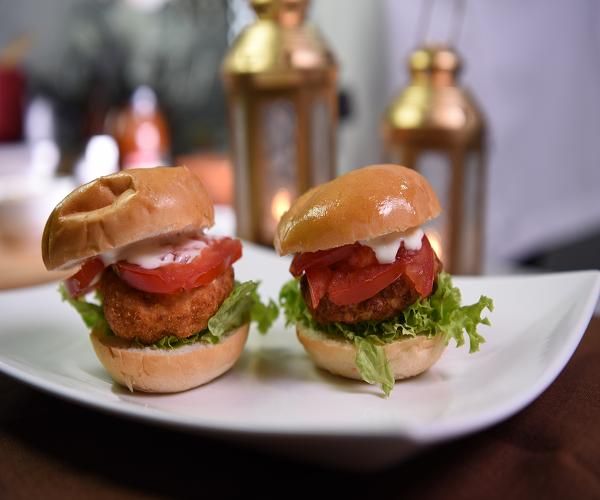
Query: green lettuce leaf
x=91, y=313
x=442, y=312
x=373, y=366
x=242, y=305
x=172, y=342
x=263, y=315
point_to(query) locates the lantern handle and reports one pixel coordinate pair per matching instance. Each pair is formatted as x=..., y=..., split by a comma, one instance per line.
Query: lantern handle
x=456, y=23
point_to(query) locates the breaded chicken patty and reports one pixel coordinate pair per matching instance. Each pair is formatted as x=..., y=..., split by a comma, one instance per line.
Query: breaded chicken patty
x=151, y=316
x=387, y=303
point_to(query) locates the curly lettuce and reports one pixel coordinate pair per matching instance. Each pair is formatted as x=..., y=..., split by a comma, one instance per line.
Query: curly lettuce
x=91, y=313
x=242, y=306
x=442, y=312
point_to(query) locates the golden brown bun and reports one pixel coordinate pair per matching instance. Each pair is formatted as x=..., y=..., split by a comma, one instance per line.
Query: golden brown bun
x=337, y=355
x=154, y=370
x=359, y=205
x=122, y=208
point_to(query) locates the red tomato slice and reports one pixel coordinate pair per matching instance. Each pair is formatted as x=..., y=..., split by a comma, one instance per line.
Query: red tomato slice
x=364, y=282
x=359, y=276
x=419, y=267
x=80, y=283
x=363, y=256
x=318, y=279
x=320, y=258
x=176, y=277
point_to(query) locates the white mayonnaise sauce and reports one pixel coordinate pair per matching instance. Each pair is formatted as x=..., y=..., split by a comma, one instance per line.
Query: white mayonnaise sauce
x=156, y=252
x=156, y=255
x=386, y=246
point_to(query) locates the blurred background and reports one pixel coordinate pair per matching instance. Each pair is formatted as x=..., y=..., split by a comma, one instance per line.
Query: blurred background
x=88, y=87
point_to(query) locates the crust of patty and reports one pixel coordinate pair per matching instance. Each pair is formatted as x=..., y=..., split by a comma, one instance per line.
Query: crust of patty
x=151, y=316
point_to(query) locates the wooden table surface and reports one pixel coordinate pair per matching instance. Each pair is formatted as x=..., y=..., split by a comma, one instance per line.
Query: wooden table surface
x=22, y=265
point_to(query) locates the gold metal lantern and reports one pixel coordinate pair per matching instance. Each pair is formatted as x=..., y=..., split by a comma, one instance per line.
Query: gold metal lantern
x=435, y=127
x=280, y=78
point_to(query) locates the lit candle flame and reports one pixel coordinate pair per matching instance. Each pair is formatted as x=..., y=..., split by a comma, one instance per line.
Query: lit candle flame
x=280, y=204
x=434, y=240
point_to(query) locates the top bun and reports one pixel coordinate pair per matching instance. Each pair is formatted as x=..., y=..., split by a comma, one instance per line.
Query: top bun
x=122, y=208
x=359, y=205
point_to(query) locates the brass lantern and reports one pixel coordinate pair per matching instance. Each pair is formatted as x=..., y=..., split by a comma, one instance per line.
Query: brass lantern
x=435, y=127
x=282, y=110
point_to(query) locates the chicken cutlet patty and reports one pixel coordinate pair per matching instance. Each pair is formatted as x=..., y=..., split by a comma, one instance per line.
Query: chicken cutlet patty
x=151, y=316
x=387, y=303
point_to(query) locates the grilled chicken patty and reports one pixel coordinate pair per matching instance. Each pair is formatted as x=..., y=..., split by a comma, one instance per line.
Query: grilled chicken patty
x=387, y=303
x=151, y=316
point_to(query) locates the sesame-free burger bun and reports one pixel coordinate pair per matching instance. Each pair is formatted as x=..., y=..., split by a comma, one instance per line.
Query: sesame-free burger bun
x=166, y=371
x=359, y=205
x=122, y=208
x=337, y=355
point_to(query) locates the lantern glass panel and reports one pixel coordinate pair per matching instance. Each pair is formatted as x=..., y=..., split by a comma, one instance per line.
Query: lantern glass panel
x=456, y=231
x=278, y=178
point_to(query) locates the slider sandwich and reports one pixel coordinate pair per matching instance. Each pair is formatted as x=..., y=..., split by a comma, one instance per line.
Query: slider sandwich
x=370, y=299
x=167, y=314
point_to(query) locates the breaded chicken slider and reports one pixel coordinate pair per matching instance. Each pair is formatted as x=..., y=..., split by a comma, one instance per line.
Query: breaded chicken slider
x=371, y=300
x=168, y=315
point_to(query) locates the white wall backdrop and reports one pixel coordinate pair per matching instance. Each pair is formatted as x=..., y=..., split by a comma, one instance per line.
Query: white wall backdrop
x=355, y=31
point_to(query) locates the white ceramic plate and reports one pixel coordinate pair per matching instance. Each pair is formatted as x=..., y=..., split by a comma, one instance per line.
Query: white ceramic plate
x=274, y=398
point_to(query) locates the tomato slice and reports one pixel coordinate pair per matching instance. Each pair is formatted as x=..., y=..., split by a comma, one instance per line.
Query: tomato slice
x=321, y=258
x=362, y=256
x=82, y=282
x=359, y=276
x=419, y=267
x=364, y=282
x=176, y=277
x=318, y=279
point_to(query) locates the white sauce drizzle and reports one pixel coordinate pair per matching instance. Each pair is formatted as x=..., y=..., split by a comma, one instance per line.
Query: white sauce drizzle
x=157, y=252
x=386, y=246
x=153, y=256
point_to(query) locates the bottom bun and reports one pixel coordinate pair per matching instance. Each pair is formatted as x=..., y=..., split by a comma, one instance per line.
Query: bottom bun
x=337, y=355
x=155, y=370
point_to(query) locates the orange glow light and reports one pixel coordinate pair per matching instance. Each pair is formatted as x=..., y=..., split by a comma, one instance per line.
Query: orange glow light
x=434, y=240
x=280, y=204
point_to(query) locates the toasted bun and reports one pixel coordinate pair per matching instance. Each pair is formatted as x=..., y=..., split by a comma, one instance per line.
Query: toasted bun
x=359, y=205
x=123, y=208
x=406, y=358
x=154, y=370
